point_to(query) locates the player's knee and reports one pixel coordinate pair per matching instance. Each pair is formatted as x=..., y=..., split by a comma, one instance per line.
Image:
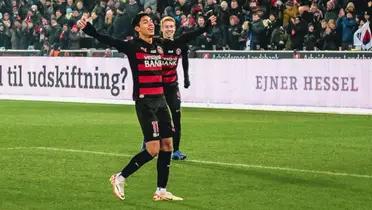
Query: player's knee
x=152, y=151
x=166, y=144
x=153, y=148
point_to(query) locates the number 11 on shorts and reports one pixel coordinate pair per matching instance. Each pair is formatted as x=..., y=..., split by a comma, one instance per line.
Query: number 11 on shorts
x=155, y=128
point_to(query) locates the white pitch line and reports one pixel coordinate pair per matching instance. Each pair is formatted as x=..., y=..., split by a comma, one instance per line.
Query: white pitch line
x=281, y=169
x=239, y=165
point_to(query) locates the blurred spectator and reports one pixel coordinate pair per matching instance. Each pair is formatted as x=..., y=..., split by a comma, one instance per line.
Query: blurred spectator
x=178, y=13
x=132, y=8
x=223, y=14
x=290, y=11
x=330, y=37
x=311, y=38
x=7, y=23
x=297, y=29
x=169, y=11
x=244, y=38
x=153, y=4
x=236, y=10
x=331, y=12
x=47, y=9
x=60, y=18
x=64, y=37
x=316, y=12
x=3, y=6
x=80, y=7
x=348, y=26
x=187, y=25
x=28, y=39
x=16, y=35
x=350, y=8
x=258, y=32
x=204, y=41
x=55, y=51
x=271, y=24
x=184, y=6
x=210, y=6
x=233, y=33
x=89, y=4
x=69, y=17
x=60, y=5
x=280, y=39
x=98, y=16
x=122, y=24
x=5, y=37
x=75, y=16
x=276, y=7
x=74, y=38
x=216, y=34
x=54, y=31
x=109, y=22
x=108, y=53
x=166, y=5
x=70, y=4
x=45, y=49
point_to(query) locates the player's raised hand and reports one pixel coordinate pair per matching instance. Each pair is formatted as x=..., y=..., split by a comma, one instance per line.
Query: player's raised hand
x=186, y=83
x=82, y=23
x=213, y=20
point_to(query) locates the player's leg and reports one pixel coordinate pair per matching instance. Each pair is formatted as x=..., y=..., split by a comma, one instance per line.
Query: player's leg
x=174, y=102
x=163, y=164
x=150, y=129
x=164, y=157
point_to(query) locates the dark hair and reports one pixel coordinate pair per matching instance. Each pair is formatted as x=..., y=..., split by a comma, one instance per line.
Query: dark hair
x=137, y=18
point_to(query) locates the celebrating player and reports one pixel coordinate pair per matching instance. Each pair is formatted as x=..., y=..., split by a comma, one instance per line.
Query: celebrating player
x=144, y=55
x=172, y=52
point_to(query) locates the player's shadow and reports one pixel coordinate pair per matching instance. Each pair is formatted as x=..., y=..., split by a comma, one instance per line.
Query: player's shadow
x=282, y=177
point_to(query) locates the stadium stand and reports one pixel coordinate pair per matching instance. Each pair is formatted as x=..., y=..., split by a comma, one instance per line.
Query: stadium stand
x=50, y=25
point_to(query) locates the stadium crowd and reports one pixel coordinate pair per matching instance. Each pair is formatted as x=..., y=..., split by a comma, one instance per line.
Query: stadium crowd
x=242, y=24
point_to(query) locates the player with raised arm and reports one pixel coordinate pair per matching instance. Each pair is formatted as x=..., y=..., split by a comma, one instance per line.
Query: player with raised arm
x=151, y=108
x=145, y=59
x=172, y=53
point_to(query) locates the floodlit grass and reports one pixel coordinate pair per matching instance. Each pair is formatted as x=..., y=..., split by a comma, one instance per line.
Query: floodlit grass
x=69, y=178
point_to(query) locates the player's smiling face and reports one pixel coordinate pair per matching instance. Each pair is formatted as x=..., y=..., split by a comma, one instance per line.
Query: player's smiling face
x=146, y=27
x=168, y=29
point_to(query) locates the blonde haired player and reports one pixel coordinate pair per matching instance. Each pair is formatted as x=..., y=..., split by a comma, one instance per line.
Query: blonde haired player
x=172, y=53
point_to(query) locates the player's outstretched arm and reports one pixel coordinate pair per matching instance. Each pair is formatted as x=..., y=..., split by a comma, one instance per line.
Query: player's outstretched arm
x=187, y=37
x=185, y=66
x=120, y=45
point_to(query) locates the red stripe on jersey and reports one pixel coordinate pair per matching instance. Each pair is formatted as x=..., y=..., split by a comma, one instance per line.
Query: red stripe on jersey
x=151, y=91
x=170, y=72
x=142, y=67
x=140, y=55
x=169, y=79
x=150, y=79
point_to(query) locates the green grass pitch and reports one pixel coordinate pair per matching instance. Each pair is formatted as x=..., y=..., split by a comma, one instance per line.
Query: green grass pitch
x=61, y=155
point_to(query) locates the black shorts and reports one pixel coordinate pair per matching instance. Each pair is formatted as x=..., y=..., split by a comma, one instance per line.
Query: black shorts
x=154, y=118
x=173, y=97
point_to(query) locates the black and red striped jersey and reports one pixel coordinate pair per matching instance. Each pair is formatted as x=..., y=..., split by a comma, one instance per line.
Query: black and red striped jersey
x=145, y=61
x=171, y=56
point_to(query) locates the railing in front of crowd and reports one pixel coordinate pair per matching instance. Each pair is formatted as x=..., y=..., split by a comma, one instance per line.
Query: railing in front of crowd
x=230, y=54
